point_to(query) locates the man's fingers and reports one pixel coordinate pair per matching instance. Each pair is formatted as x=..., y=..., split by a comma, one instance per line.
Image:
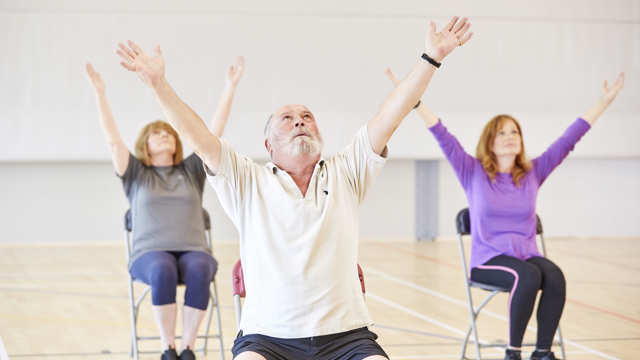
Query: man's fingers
x=432, y=28
x=460, y=33
x=158, y=50
x=128, y=66
x=136, y=49
x=126, y=58
x=125, y=52
x=459, y=25
x=451, y=23
x=466, y=38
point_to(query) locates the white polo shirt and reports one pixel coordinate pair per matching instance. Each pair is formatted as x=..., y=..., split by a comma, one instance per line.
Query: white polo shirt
x=299, y=253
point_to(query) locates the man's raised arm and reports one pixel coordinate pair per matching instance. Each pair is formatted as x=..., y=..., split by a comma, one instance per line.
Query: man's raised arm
x=406, y=94
x=150, y=69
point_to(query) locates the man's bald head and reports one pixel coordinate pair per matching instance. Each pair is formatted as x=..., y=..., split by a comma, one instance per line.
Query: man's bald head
x=292, y=126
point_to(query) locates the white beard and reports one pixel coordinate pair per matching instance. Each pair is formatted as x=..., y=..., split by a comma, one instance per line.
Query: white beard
x=304, y=145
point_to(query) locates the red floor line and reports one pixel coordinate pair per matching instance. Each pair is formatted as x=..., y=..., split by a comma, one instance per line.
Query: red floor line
x=448, y=264
x=615, y=314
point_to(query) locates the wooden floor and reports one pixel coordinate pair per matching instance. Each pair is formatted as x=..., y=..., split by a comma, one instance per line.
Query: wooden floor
x=71, y=302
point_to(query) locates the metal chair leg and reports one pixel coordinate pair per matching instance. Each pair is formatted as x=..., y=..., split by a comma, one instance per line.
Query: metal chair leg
x=464, y=344
x=214, y=307
x=561, y=340
x=472, y=315
x=206, y=331
x=133, y=352
x=218, y=322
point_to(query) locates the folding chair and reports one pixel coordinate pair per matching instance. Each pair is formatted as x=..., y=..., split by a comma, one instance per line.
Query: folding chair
x=135, y=305
x=463, y=227
x=239, y=291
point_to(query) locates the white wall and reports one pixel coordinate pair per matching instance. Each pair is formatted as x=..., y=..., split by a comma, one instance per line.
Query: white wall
x=542, y=61
x=84, y=202
x=81, y=201
x=582, y=197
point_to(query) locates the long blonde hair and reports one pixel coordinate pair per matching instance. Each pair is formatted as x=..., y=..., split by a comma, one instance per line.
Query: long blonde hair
x=487, y=157
x=141, y=150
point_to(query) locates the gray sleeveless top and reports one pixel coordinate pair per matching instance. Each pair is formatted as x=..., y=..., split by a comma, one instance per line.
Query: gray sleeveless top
x=166, y=206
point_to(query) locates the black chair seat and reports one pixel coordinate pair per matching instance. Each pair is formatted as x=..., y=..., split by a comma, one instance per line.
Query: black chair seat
x=487, y=287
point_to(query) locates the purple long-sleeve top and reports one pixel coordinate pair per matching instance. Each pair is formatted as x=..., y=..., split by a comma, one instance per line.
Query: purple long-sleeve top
x=502, y=214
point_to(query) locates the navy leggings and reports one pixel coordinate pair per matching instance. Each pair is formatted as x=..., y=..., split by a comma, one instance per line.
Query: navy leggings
x=164, y=270
x=525, y=278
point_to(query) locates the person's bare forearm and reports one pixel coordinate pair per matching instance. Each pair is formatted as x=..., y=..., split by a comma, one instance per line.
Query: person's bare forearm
x=408, y=91
x=221, y=116
x=107, y=121
x=429, y=118
x=188, y=124
x=398, y=104
x=609, y=94
x=119, y=151
x=595, y=111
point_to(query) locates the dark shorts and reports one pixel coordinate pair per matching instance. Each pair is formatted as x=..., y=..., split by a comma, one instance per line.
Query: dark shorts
x=350, y=345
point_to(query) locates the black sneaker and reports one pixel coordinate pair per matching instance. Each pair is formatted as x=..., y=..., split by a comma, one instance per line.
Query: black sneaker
x=543, y=355
x=187, y=354
x=169, y=354
x=512, y=355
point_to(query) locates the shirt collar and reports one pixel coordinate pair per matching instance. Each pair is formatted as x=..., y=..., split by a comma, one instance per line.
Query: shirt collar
x=274, y=168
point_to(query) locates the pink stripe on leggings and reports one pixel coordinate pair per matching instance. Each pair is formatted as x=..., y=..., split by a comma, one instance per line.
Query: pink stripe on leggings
x=513, y=288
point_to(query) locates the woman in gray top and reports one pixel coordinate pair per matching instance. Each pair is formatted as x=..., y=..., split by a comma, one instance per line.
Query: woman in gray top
x=165, y=194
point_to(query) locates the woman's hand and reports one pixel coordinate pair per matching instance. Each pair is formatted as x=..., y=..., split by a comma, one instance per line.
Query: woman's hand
x=610, y=93
x=96, y=79
x=234, y=74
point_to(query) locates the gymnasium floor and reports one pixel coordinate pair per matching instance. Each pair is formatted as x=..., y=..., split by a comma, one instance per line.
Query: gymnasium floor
x=69, y=301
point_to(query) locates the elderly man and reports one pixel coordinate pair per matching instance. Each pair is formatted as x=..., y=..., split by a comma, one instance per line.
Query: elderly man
x=298, y=216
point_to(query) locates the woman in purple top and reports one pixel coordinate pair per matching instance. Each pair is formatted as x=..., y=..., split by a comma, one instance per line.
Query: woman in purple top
x=501, y=186
x=165, y=194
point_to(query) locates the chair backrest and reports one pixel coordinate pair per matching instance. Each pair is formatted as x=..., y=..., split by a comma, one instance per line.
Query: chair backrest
x=128, y=226
x=361, y=277
x=463, y=227
x=237, y=280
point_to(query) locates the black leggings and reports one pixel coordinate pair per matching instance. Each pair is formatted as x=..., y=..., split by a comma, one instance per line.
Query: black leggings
x=525, y=278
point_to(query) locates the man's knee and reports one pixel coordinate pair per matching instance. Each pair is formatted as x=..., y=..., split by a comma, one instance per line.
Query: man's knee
x=250, y=355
